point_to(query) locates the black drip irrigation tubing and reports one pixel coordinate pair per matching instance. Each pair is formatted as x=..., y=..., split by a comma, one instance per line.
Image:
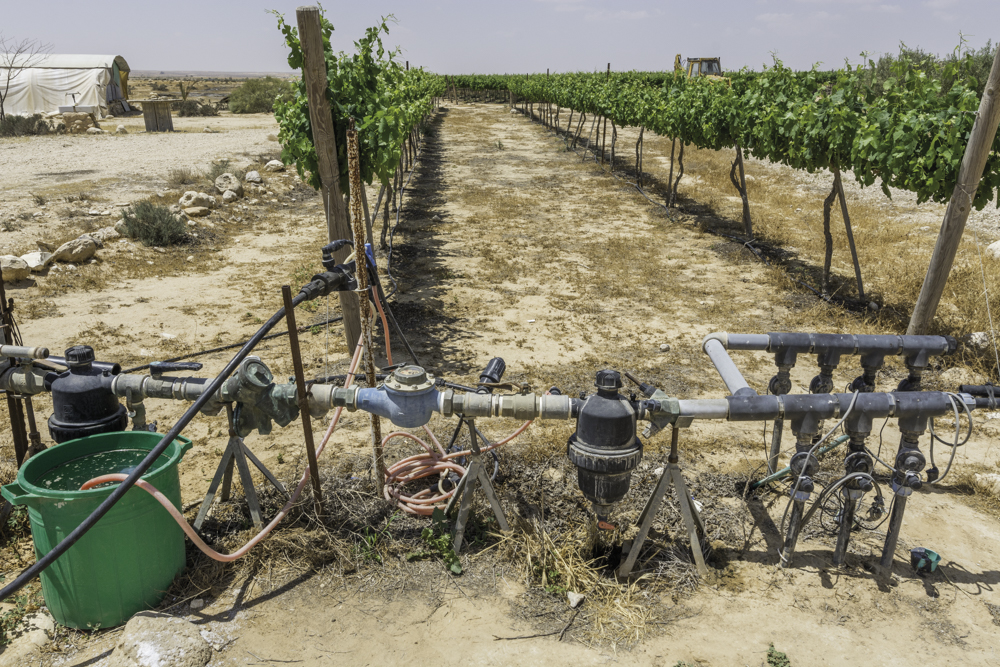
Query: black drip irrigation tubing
x=747, y=243
x=119, y=492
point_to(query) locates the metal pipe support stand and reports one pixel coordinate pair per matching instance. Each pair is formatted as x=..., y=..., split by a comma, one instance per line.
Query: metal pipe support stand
x=895, y=522
x=692, y=519
x=237, y=453
x=474, y=475
x=846, y=525
x=794, y=526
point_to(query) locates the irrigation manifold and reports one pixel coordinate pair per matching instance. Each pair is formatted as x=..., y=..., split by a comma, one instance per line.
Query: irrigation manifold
x=92, y=397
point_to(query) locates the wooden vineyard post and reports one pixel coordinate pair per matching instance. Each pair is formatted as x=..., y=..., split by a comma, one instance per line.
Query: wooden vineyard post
x=354, y=169
x=984, y=129
x=850, y=232
x=579, y=128
x=325, y=141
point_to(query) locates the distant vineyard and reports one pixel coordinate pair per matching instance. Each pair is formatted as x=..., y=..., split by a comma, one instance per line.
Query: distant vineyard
x=906, y=129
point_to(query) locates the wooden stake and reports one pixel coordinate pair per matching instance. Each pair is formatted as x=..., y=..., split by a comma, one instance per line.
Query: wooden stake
x=984, y=129
x=837, y=183
x=325, y=141
x=354, y=169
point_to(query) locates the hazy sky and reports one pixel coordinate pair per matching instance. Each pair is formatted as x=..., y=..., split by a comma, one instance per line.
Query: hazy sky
x=461, y=36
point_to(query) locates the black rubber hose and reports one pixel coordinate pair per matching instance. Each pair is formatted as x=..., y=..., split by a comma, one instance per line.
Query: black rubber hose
x=147, y=462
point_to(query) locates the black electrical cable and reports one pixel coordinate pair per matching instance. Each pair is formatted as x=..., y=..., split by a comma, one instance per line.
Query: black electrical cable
x=192, y=355
x=140, y=469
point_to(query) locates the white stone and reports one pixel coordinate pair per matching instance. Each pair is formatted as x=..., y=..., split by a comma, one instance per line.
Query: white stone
x=38, y=260
x=24, y=650
x=159, y=640
x=229, y=197
x=121, y=130
x=228, y=182
x=575, y=599
x=664, y=347
x=253, y=177
x=993, y=250
x=274, y=165
x=988, y=482
x=192, y=198
x=76, y=250
x=120, y=227
x=95, y=130
x=14, y=268
x=197, y=604
x=979, y=340
x=197, y=211
x=168, y=336
x=436, y=218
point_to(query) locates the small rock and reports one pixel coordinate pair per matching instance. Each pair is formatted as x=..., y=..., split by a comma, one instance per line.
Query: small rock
x=14, y=268
x=253, y=177
x=159, y=250
x=872, y=306
x=192, y=223
x=988, y=482
x=979, y=340
x=76, y=250
x=658, y=472
x=37, y=215
x=94, y=212
x=228, y=182
x=157, y=640
x=197, y=604
x=176, y=209
x=553, y=475
x=274, y=165
x=120, y=227
x=121, y=130
x=229, y=197
x=42, y=245
x=575, y=599
x=993, y=250
x=436, y=218
x=190, y=258
x=208, y=130
x=168, y=336
x=954, y=377
x=95, y=130
x=197, y=211
x=192, y=198
x=38, y=260
x=664, y=347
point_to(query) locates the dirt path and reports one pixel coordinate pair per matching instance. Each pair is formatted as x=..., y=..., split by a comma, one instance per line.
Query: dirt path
x=512, y=246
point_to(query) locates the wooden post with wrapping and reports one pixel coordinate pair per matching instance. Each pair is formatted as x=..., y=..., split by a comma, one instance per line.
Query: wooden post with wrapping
x=357, y=217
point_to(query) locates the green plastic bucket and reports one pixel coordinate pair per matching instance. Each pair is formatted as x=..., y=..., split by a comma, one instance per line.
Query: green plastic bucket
x=126, y=562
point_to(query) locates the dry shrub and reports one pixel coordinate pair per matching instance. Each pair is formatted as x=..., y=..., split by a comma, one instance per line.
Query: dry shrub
x=177, y=178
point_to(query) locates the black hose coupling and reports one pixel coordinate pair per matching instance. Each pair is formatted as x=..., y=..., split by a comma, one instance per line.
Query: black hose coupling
x=338, y=279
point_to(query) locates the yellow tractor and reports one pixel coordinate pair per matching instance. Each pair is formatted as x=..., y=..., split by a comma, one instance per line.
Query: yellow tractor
x=710, y=67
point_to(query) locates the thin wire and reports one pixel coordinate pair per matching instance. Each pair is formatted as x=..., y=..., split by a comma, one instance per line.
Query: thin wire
x=986, y=295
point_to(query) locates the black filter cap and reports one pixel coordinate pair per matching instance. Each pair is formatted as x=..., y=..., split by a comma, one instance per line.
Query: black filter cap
x=79, y=356
x=608, y=380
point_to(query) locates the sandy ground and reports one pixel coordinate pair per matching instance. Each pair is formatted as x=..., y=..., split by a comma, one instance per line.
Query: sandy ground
x=537, y=256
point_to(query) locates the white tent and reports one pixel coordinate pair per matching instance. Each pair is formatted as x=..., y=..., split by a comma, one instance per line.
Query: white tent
x=64, y=80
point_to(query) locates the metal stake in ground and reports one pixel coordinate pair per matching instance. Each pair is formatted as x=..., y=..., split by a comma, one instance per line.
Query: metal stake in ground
x=354, y=171
x=303, y=396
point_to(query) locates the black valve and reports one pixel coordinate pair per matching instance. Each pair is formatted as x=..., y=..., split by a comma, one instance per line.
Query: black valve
x=492, y=374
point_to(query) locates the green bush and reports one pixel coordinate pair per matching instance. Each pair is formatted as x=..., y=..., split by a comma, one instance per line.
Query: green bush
x=193, y=108
x=258, y=95
x=23, y=126
x=153, y=225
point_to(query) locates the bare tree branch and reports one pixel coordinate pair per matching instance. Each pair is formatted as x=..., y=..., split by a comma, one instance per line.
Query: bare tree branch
x=16, y=56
